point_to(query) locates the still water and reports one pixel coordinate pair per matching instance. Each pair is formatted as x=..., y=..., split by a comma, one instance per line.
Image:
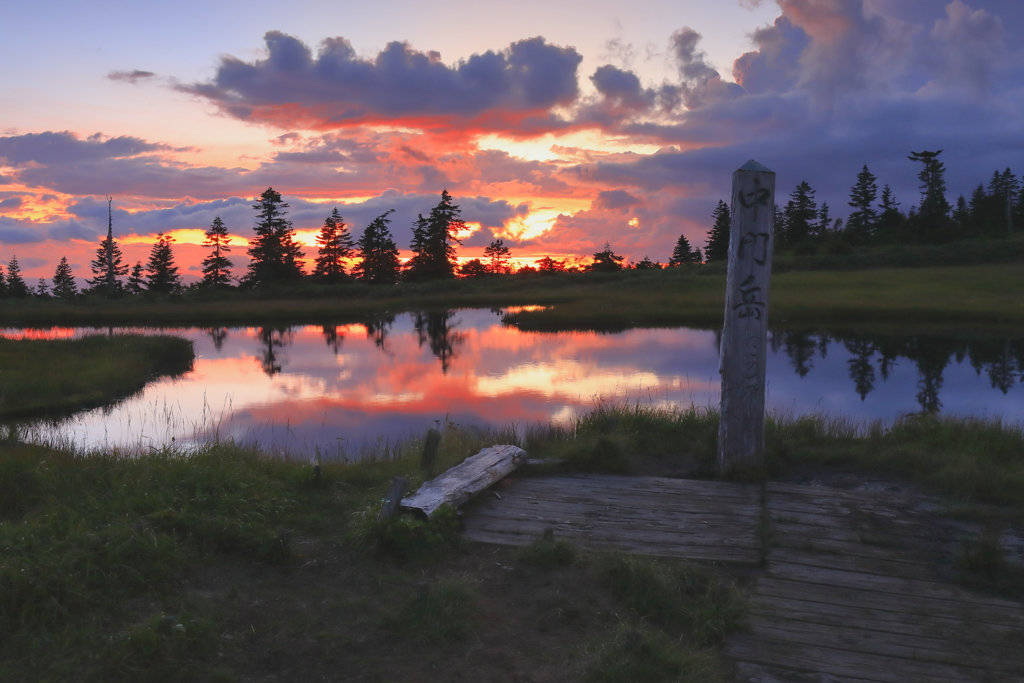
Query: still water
x=331, y=390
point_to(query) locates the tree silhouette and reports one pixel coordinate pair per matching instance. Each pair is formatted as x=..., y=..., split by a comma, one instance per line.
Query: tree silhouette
x=436, y=327
x=333, y=338
x=550, y=265
x=42, y=289
x=378, y=328
x=861, y=222
x=497, y=256
x=272, y=339
x=16, y=287
x=647, y=264
x=474, y=268
x=108, y=265
x=276, y=256
x=683, y=253
x=606, y=261
x=862, y=372
x=379, y=264
x=64, y=286
x=136, y=279
x=216, y=266
x=3, y=282
x=931, y=224
x=334, y=245
x=218, y=335
x=162, y=274
x=800, y=212
x=717, y=247
x=432, y=241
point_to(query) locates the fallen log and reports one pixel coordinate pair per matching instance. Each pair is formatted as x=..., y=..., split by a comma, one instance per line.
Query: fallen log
x=464, y=481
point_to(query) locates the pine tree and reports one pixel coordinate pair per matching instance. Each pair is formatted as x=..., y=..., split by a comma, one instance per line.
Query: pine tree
x=136, y=279
x=1003, y=190
x=16, y=287
x=550, y=265
x=497, y=256
x=647, y=264
x=891, y=216
x=334, y=246
x=606, y=261
x=42, y=289
x=216, y=266
x=474, y=268
x=162, y=275
x=432, y=243
x=801, y=211
x=109, y=260
x=820, y=230
x=64, y=286
x=3, y=283
x=863, y=219
x=379, y=264
x=717, y=248
x=962, y=218
x=683, y=253
x=276, y=256
x=932, y=223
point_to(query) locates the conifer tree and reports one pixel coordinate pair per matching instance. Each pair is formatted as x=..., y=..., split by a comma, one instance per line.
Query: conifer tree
x=379, y=256
x=717, y=248
x=64, y=286
x=862, y=221
x=276, y=256
x=42, y=289
x=334, y=245
x=497, y=256
x=216, y=266
x=161, y=273
x=821, y=228
x=474, y=268
x=683, y=253
x=1003, y=190
x=136, y=279
x=16, y=287
x=891, y=215
x=433, y=241
x=932, y=222
x=606, y=261
x=647, y=264
x=801, y=213
x=3, y=282
x=550, y=265
x=109, y=260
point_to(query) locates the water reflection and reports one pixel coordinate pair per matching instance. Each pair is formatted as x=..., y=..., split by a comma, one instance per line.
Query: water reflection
x=328, y=388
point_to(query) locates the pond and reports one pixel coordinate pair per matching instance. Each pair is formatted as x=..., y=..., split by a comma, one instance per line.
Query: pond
x=333, y=389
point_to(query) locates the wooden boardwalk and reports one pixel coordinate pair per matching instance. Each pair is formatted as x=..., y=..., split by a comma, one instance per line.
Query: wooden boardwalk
x=857, y=586
x=698, y=520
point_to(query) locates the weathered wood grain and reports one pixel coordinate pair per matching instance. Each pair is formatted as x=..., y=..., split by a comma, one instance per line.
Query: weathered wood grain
x=465, y=480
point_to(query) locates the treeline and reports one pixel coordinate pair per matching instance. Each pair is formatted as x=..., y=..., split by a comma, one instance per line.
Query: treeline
x=802, y=227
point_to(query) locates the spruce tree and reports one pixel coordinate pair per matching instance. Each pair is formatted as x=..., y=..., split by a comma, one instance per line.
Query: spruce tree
x=647, y=264
x=334, y=245
x=42, y=289
x=683, y=253
x=474, y=268
x=891, y=217
x=862, y=221
x=1003, y=190
x=497, y=256
x=932, y=223
x=3, y=282
x=379, y=256
x=16, y=287
x=216, y=266
x=162, y=274
x=433, y=241
x=717, y=248
x=64, y=286
x=109, y=260
x=550, y=265
x=276, y=256
x=606, y=261
x=136, y=279
x=821, y=228
x=801, y=213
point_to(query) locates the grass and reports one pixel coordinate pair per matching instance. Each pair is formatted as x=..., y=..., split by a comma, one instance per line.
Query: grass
x=992, y=294
x=636, y=652
x=547, y=552
x=438, y=612
x=54, y=377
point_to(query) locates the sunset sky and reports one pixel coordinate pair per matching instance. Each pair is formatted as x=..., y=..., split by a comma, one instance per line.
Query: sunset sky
x=557, y=126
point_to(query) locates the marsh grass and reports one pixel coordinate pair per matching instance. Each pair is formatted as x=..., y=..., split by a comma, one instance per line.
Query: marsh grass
x=635, y=652
x=55, y=377
x=548, y=553
x=439, y=612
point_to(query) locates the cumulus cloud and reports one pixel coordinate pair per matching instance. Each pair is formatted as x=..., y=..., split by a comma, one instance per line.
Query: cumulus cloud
x=13, y=231
x=969, y=46
x=614, y=199
x=336, y=89
x=10, y=204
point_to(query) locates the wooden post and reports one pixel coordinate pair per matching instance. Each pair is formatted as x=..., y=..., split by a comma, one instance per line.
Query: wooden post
x=430, y=446
x=399, y=485
x=745, y=333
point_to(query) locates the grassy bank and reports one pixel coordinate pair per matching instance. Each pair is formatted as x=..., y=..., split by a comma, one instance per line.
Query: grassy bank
x=54, y=377
x=224, y=565
x=989, y=294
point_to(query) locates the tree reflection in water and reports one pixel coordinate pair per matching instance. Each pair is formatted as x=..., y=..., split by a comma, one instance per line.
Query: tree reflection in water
x=333, y=338
x=378, y=328
x=438, y=328
x=218, y=335
x=1001, y=360
x=272, y=339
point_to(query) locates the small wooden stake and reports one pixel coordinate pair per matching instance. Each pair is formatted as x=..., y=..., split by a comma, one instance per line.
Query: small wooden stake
x=398, y=488
x=430, y=447
x=751, y=243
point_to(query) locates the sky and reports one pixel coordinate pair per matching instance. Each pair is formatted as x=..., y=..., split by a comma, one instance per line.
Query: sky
x=557, y=126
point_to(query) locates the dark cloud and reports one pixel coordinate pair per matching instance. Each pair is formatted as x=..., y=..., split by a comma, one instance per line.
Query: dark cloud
x=65, y=147
x=969, y=46
x=10, y=204
x=336, y=88
x=614, y=199
x=775, y=65
x=132, y=77
x=13, y=231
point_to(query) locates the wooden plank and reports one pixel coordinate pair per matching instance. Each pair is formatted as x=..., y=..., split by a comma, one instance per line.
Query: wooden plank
x=859, y=564
x=837, y=662
x=582, y=513
x=924, y=607
x=759, y=673
x=630, y=500
x=698, y=489
x=827, y=493
x=462, y=482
